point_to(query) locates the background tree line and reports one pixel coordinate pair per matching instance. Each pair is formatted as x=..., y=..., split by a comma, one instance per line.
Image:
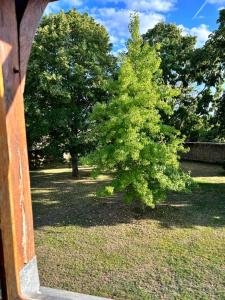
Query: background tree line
x=72, y=68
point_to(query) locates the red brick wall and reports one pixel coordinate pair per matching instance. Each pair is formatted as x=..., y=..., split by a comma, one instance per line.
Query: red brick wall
x=205, y=152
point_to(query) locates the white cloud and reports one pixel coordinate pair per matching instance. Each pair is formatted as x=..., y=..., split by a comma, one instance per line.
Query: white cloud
x=202, y=33
x=139, y=5
x=143, y=5
x=155, y=5
x=57, y=6
x=116, y=21
x=149, y=20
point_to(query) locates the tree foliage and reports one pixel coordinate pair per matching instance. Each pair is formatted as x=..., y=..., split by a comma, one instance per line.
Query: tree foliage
x=210, y=61
x=178, y=62
x=209, y=71
x=69, y=70
x=220, y=118
x=175, y=52
x=132, y=141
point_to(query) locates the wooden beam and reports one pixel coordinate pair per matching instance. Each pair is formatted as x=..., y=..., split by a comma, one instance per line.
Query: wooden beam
x=28, y=26
x=15, y=200
x=3, y=184
x=9, y=194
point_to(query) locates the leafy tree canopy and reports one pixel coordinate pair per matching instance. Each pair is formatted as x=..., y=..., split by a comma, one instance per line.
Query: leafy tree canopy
x=210, y=59
x=69, y=70
x=176, y=53
x=209, y=70
x=132, y=141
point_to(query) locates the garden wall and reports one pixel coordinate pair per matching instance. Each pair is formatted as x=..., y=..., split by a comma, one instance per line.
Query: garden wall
x=205, y=152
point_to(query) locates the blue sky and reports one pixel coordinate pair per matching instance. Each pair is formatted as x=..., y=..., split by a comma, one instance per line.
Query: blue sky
x=195, y=17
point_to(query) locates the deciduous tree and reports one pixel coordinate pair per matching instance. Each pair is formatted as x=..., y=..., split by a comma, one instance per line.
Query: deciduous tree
x=132, y=141
x=176, y=51
x=196, y=71
x=209, y=70
x=68, y=72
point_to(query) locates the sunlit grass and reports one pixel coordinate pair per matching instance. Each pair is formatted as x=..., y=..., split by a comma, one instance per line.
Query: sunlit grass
x=102, y=247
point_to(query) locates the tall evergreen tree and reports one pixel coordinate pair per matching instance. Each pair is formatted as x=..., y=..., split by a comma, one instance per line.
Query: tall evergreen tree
x=132, y=141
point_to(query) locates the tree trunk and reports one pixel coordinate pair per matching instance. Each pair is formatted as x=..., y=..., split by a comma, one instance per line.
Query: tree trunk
x=75, y=171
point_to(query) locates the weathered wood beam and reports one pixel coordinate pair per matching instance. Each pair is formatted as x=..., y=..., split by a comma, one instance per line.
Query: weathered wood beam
x=28, y=26
x=18, y=23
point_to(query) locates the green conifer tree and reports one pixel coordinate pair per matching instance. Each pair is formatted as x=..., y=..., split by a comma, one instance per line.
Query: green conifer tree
x=132, y=142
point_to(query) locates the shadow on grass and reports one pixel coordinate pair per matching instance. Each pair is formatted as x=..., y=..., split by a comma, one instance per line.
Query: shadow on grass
x=60, y=201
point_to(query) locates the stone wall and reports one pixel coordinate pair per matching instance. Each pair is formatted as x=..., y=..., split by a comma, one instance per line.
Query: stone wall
x=205, y=152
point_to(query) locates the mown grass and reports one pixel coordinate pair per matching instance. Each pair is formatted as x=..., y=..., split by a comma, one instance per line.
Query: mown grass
x=102, y=247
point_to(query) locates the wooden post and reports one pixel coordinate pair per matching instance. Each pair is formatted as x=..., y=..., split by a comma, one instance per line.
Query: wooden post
x=18, y=22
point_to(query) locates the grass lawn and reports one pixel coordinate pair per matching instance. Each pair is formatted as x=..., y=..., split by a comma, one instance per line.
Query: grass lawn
x=102, y=247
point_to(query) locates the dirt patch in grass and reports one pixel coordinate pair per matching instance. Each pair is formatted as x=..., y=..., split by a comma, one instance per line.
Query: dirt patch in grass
x=102, y=247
